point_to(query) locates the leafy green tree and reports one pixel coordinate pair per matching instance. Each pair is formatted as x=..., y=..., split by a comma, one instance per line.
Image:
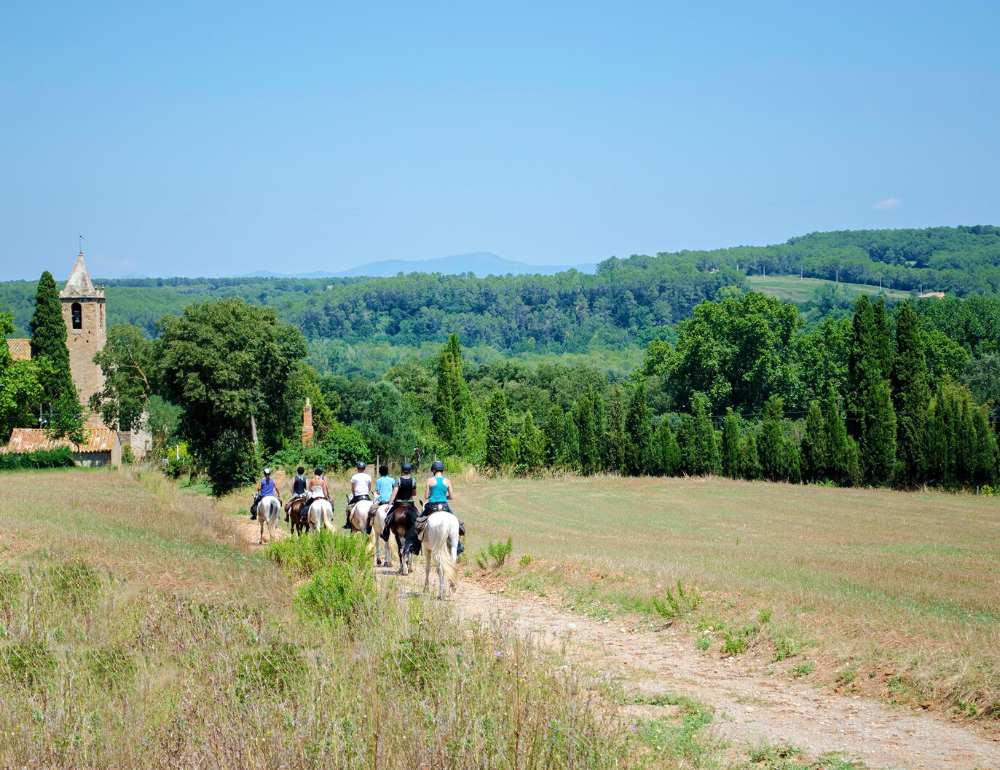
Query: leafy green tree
x=638, y=433
x=48, y=341
x=731, y=445
x=984, y=462
x=946, y=359
x=814, y=450
x=385, y=420
x=615, y=437
x=792, y=464
x=129, y=368
x=555, y=432
x=771, y=442
x=911, y=396
x=666, y=450
x=701, y=454
x=530, y=446
x=452, y=392
x=229, y=366
x=822, y=356
x=499, y=441
x=982, y=375
x=839, y=464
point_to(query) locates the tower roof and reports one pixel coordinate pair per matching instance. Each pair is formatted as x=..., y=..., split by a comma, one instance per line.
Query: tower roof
x=79, y=284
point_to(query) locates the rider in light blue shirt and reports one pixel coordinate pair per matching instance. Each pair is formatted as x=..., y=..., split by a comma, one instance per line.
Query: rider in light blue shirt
x=384, y=485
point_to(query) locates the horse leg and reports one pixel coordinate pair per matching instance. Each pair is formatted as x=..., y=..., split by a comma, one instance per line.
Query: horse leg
x=427, y=569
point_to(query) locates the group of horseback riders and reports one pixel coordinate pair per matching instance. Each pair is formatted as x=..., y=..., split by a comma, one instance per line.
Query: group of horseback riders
x=396, y=493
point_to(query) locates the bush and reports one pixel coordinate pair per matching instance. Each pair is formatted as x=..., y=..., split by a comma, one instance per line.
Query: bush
x=675, y=605
x=342, y=446
x=43, y=458
x=307, y=555
x=498, y=552
x=335, y=593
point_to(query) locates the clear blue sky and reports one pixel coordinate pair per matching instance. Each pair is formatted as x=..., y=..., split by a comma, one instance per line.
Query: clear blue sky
x=209, y=139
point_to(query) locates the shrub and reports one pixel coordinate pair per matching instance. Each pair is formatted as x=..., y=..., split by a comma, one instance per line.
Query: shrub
x=128, y=456
x=43, y=458
x=675, y=605
x=525, y=560
x=803, y=669
x=335, y=593
x=500, y=551
x=306, y=555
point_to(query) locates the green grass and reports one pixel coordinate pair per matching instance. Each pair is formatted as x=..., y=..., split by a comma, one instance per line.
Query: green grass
x=881, y=579
x=791, y=288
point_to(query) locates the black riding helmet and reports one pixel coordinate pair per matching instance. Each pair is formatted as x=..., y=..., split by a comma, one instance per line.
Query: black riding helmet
x=361, y=466
x=406, y=468
x=319, y=471
x=436, y=466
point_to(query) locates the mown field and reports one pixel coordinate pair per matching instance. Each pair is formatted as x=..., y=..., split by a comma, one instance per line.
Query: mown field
x=138, y=629
x=888, y=593
x=791, y=288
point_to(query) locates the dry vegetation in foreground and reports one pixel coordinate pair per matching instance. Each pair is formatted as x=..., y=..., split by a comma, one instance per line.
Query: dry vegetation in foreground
x=137, y=630
x=884, y=593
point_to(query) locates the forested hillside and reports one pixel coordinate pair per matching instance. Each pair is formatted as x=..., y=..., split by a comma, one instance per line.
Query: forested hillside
x=625, y=305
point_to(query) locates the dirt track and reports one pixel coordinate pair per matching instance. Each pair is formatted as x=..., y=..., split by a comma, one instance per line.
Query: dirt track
x=750, y=708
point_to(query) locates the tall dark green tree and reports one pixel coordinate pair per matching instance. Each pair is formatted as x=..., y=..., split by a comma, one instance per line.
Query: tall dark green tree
x=229, y=366
x=771, y=442
x=701, y=454
x=452, y=393
x=614, y=436
x=589, y=450
x=731, y=445
x=865, y=364
x=666, y=450
x=530, y=446
x=911, y=396
x=570, y=455
x=499, y=441
x=48, y=341
x=883, y=336
x=750, y=458
x=878, y=441
x=839, y=468
x=815, y=453
x=555, y=432
x=638, y=433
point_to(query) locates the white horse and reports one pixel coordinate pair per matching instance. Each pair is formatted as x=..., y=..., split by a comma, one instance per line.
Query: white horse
x=267, y=513
x=320, y=514
x=359, y=515
x=378, y=522
x=440, y=538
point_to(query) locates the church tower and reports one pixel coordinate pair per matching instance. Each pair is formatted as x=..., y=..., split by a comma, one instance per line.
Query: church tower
x=86, y=331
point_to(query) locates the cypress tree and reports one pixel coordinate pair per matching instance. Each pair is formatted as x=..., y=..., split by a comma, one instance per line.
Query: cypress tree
x=48, y=342
x=590, y=461
x=771, y=443
x=444, y=409
x=530, y=446
x=940, y=458
x=638, y=433
x=570, y=456
x=814, y=449
x=911, y=396
x=499, y=442
x=792, y=464
x=883, y=340
x=555, y=430
x=864, y=364
x=985, y=456
x=701, y=451
x=666, y=450
x=838, y=447
x=878, y=443
x=614, y=436
x=731, y=445
x=601, y=462
x=749, y=458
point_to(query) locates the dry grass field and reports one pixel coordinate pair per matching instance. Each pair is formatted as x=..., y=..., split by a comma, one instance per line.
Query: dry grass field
x=139, y=629
x=886, y=593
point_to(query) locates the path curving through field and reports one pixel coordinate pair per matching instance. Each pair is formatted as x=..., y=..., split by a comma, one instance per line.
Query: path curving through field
x=755, y=707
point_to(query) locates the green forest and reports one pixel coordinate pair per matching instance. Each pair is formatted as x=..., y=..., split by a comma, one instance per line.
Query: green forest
x=656, y=365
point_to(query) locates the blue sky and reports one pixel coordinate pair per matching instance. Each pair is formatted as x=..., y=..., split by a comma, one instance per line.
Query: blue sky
x=212, y=139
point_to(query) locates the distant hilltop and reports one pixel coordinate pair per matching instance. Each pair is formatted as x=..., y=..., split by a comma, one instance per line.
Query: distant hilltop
x=480, y=264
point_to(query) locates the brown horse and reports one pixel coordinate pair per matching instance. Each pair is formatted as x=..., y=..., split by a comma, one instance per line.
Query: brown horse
x=400, y=524
x=296, y=510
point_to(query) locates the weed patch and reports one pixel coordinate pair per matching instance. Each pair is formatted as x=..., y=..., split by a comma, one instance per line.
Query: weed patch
x=76, y=583
x=29, y=663
x=335, y=593
x=684, y=602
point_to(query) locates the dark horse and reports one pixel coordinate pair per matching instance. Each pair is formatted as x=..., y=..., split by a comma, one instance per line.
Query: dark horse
x=400, y=524
x=296, y=510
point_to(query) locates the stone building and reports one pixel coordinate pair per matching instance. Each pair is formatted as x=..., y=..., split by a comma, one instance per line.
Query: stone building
x=100, y=446
x=86, y=331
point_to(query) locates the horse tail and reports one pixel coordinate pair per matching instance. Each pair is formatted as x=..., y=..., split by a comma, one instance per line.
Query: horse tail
x=442, y=555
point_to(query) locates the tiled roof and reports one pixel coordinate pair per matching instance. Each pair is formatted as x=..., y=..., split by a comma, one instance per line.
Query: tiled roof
x=32, y=439
x=20, y=350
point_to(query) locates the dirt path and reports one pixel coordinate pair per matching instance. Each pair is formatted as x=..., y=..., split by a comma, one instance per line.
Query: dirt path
x=755, y=708
x=750, y=708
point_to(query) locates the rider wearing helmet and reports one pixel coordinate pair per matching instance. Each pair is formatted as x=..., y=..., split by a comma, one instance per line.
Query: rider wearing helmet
x=265, y=487
x=361, y=486
x=299, y=484
x=439, y=490
x=317, y=489
x=403, y=493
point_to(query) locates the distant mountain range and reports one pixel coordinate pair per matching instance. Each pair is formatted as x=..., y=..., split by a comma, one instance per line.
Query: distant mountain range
x=480, y=263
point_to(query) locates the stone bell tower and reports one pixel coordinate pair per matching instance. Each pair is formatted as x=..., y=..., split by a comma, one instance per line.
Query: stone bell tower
x=86, y=331
x=307, y=423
